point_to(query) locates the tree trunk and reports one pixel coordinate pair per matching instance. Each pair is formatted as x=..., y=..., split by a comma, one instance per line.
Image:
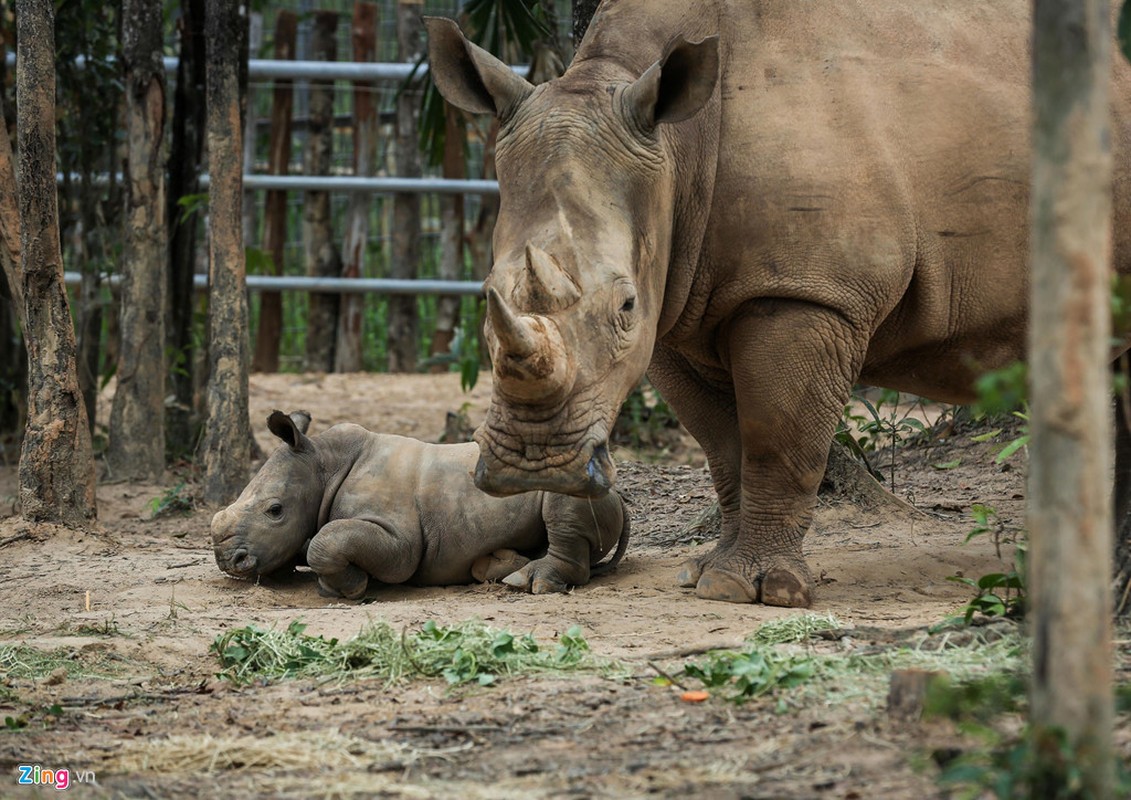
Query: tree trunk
x=13, y=355
x=251, y=122
x=137, y=419
x=56, y=462
x=583, y=11
x=451, y=234
x=1070, y=454
x=402, y=333
x=184, y=182
x=322, y=257
x=479, y=238
x=225, y=448
x=270, y=330
x=348, y=353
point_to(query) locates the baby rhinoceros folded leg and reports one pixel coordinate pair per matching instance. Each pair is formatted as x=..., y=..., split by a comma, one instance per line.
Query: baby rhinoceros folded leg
x=497, y=565
x=345, y=552
x=580, y=532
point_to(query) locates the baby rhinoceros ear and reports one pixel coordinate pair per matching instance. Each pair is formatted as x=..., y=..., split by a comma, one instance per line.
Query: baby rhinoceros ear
x=291, y=428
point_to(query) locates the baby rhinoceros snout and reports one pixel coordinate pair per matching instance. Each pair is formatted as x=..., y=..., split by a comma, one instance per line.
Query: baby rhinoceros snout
x=232, y=556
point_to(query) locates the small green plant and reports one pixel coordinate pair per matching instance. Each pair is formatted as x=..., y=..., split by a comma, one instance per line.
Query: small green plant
x=998, y=594
x=175, y=500
x=863, y=434
x=107, y=627
x=467, y=653
x=753, y=672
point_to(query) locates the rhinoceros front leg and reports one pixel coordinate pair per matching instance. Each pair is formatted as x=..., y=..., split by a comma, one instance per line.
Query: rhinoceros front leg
x=577, y=529
x=793, y=365
x=497, y=565
x=345, y=552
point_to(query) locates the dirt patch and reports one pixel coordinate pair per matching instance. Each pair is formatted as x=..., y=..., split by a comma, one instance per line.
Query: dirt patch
x=133, y=608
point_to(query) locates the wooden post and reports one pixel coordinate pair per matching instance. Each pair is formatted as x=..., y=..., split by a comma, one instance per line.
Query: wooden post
x=56, y=472
x=1070, y=454
x=348, y=353
x=403, y=324
x=451, y=234
x=225, y=449
x=322, y=257
x=137, y=419
x=270, y=330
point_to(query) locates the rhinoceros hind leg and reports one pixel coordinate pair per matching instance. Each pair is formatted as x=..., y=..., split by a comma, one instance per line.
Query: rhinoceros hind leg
x=786, y=585
x=539, y=577
x=498, y=565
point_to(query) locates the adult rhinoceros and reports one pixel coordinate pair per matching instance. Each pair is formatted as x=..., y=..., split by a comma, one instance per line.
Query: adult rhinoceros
x=761, y=203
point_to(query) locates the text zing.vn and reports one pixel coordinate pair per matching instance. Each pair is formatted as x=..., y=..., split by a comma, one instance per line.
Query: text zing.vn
x=35, y=775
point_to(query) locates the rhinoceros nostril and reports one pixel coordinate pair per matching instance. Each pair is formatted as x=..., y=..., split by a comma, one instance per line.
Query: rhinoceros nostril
x=243, y=562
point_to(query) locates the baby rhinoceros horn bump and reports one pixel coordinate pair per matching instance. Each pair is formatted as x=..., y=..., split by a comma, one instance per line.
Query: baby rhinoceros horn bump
x=549, y=286
x=515, y=335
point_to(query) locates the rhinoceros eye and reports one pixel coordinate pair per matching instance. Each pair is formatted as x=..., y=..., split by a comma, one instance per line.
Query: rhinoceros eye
x=628, y=304
x=275, y=510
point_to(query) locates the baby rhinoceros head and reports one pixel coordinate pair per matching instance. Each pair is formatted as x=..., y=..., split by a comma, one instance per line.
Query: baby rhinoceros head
x=267, y=526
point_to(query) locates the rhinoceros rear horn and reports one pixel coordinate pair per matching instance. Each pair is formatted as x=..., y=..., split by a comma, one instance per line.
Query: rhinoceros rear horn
x=549, y=286
x=515, y=335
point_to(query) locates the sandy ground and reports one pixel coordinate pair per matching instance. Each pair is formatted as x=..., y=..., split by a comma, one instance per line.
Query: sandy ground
x=146, y=597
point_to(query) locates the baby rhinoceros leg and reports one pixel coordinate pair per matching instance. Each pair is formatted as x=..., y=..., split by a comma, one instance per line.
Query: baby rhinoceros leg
x=579, y=532
x=497, y=565
x=345, y=552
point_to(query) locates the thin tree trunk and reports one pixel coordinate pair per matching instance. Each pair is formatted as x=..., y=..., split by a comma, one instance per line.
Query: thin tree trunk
x=479, y=238
x=322, y=257
x=13, y=355
x=251, y=122
x=137, y=419
x=56, y=462
x=348, y=353
x=270, y=330
x=225, y=449
x=583, y=11
x=402, y=341
x=184, y=182
x=1070, y=455
x=451, y=234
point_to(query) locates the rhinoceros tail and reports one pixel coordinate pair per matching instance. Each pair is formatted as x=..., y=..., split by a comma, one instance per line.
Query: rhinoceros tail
x=622, y=545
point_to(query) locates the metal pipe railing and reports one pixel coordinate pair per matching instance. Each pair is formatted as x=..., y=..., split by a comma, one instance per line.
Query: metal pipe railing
x=273, y=283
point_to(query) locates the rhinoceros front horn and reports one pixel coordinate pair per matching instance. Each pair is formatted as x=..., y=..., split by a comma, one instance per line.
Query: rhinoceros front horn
x=530, y=360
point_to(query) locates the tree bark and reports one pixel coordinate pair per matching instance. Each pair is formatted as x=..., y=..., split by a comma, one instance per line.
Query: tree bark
x=583, y=11
x=403, y=325
x=270, y=330
x=185, y=158
x=56, y=463
x=225, y=448
x=322, y=257
x=137, y=419
x=348, y=353
x=451, y=234
x=13, y=355
x=1070, y=453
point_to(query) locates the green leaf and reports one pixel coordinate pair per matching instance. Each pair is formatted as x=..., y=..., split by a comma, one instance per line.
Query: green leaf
x=985, y=437
x=1012, y=448
x=1124, y=29
x=948, y=464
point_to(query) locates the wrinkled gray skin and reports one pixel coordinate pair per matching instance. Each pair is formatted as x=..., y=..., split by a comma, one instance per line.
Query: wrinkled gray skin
x=760, y=202
x=403, y=511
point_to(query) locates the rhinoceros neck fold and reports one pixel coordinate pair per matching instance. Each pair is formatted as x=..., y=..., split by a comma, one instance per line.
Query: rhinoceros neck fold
x=338, y=451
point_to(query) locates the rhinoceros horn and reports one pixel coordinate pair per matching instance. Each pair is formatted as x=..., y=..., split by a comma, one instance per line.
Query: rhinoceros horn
x=550, y=287
x=515, y=335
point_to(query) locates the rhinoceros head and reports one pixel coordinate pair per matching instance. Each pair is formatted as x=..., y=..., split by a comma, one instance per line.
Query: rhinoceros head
x=277, y=513
x=581, y=245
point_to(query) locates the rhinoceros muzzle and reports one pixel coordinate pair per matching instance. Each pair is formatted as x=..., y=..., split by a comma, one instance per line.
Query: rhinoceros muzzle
x=238, y=563
x=495, y=477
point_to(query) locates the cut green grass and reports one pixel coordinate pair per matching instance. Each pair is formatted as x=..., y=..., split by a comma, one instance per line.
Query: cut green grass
x=469, y=652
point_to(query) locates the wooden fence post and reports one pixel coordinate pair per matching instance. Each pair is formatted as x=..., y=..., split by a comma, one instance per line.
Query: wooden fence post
x=403, y=326
x=1070, y=524
x=322, y=257
x=348, y=353
x=270, y=330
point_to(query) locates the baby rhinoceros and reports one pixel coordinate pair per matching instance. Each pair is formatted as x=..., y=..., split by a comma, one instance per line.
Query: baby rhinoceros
x=400, y=510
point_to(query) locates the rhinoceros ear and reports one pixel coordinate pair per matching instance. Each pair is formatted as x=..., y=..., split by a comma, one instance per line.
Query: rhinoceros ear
x=468, y=76
x=677, y=86
x=291, y=428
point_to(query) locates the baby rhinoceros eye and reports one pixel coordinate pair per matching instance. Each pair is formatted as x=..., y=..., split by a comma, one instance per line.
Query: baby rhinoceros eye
x=275, y=510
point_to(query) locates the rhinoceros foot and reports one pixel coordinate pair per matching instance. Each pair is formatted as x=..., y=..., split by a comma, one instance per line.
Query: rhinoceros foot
x=350, y=584
x=540, y=577
x=729, y=578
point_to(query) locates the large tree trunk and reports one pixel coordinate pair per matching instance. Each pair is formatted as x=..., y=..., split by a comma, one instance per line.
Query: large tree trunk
x=56, y=462
x=184, y=182
x=348, y=353
x=13, y=355
x=402, y=334
x=1070, y=454
x=451, y=234
x=322, y=257
x=225, y=448
x=137, y=419
x=270, y=330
